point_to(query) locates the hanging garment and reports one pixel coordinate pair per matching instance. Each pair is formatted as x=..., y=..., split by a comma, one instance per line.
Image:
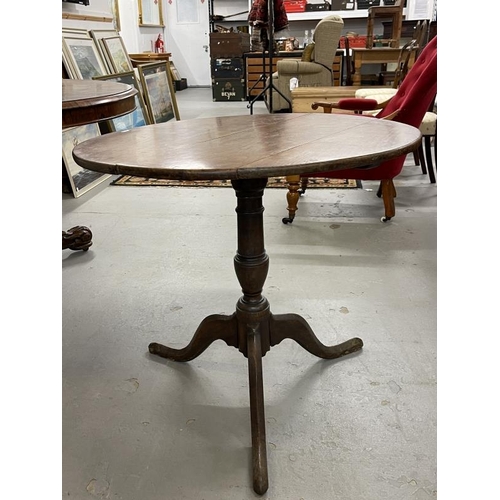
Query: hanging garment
x=258, y=15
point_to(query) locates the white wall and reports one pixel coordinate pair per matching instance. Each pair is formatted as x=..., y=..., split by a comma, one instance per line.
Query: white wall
x=139, y=39
x=98, y=8
x=136, y=39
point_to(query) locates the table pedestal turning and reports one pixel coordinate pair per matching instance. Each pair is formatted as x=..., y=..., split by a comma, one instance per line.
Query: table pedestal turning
x=252, y=328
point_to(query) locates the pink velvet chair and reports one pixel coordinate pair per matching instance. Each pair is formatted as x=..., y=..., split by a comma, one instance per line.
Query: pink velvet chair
x=408, y=105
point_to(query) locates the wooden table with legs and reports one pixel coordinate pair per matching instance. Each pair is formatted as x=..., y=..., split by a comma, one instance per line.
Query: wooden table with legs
x=248, y=150
x=90, y=101
x=375, y=55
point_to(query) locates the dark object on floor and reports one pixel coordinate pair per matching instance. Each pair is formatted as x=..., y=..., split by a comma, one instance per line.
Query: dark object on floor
x=77, y=238
x=181, y=84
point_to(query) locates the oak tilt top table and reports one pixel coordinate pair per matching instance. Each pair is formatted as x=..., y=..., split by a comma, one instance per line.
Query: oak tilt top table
x=247, y=150
x=91, y=101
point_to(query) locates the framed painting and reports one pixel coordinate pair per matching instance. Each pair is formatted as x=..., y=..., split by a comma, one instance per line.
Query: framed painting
x=84, y=57
x=117, y=54
x=98, y=35
x=175, y=73
x=72, y=33
x=75, y=32
x=68, y=67
x=81, y=179
x=115, y=9
x=158, y=91
x=137, y=118
x=151, y=13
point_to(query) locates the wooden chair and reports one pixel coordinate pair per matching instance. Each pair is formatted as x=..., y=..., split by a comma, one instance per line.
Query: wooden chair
x=394, y=12
x=420, y=34
x=396, y=77
x=428, y=128
x=408, y=105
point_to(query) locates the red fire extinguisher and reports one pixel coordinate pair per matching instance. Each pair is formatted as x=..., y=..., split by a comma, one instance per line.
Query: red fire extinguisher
x=159, y=45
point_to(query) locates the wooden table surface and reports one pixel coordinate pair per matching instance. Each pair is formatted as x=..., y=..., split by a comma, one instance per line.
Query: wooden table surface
x=254, y=146
x=90, y=101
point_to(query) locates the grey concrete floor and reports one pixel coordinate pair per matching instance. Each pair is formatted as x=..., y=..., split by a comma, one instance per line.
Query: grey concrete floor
x=137, y=427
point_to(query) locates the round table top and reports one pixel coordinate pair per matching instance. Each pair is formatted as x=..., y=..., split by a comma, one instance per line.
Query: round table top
x=244, y=147
x=89, y=101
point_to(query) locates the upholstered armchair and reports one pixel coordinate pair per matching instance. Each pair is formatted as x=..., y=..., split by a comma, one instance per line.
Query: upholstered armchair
x=315, y=67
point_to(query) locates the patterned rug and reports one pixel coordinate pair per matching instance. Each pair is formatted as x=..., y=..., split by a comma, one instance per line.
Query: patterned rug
x=273, y=182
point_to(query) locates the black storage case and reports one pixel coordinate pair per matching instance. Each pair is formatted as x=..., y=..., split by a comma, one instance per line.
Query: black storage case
x=228, y=89
x=181, y=84
x=315, y=7
x=366, y=4
x=228, y=68
x=341, y=4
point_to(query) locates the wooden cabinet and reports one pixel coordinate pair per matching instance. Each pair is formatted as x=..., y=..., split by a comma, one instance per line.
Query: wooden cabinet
x=254, y=69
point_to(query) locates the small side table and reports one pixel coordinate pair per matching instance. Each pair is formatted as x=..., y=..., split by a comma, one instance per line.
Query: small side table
x=89, y=101
x=269, y=146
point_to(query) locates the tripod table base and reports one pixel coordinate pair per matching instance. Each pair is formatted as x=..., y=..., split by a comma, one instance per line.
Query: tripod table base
x=252, y=328
x=260, y=335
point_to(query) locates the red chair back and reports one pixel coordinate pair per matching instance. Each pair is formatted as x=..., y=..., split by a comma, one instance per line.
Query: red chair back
x=418, y=89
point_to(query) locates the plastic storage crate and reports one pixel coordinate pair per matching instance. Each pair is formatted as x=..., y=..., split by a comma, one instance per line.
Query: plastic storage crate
x=292, y=6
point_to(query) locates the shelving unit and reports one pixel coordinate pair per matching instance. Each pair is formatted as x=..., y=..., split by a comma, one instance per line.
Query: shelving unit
x=228, y=8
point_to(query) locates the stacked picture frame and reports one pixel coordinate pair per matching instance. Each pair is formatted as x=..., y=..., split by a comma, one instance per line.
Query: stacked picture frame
x=159, y=92
x=140, y=116
x=102, y=55
x=76, y=179
x=81, y=57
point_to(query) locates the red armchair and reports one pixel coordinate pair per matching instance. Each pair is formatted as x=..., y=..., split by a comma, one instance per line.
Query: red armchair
x=408, y=105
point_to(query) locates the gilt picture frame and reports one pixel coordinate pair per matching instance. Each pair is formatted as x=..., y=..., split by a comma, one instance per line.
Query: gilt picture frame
x=115, y=9
x=84, y=57
x=117, y=54
x=137, y=118
x=159, y=93
x=81, y=179
x=98, y=35
x=151, y=13
x=75, y=32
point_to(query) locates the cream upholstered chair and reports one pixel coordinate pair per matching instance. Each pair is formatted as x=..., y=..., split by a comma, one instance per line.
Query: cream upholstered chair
x=315, y=67
x=428, y=128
